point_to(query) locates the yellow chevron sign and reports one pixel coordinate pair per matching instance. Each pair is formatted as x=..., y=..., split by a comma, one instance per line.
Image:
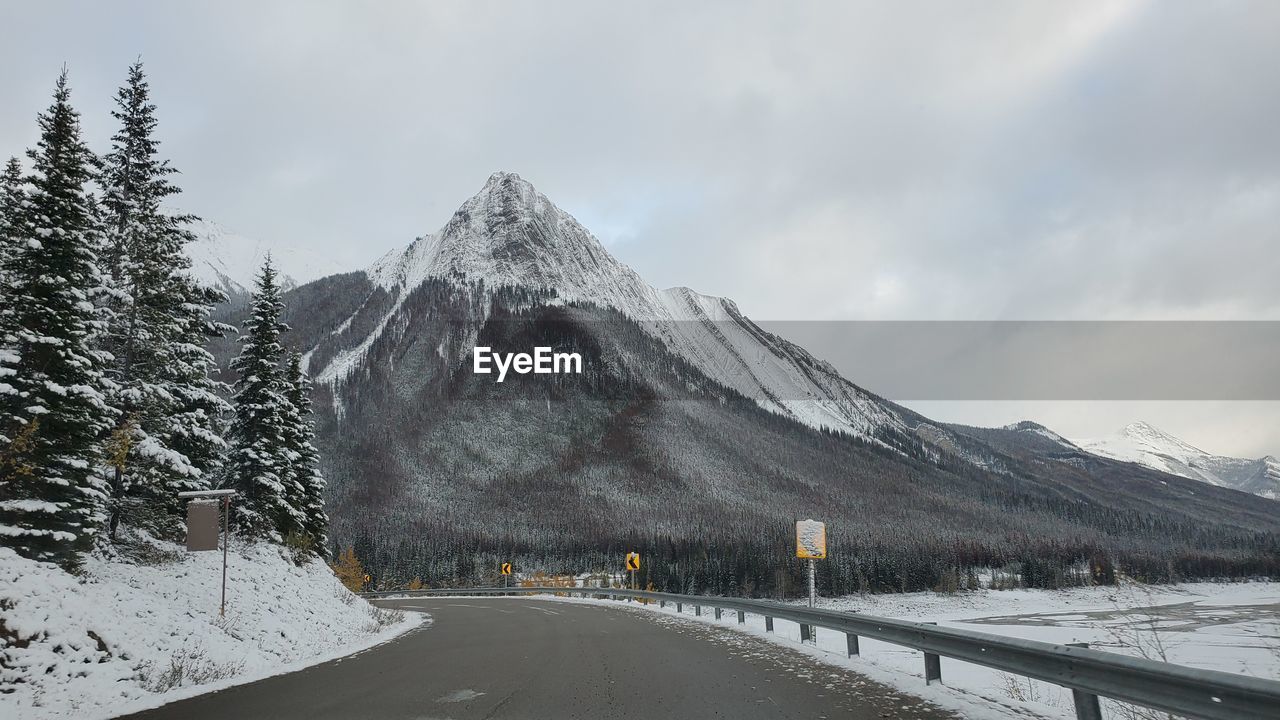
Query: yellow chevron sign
x=506, y=568
x=633, y=561
x=811, y=539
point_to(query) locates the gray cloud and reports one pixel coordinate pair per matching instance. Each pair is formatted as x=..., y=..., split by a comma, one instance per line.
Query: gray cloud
x=838, y=161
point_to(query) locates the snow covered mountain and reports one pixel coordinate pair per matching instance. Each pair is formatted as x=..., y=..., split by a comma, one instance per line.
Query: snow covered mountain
x=1053, y=439
x=689, y=427
x=1146, y=445
x=228, y=261
x=509, y=234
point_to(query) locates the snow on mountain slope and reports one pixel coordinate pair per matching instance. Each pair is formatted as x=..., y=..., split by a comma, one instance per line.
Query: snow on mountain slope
x=1035, y=428
x=511, y=234
x=229, y=261
x=1146, y=445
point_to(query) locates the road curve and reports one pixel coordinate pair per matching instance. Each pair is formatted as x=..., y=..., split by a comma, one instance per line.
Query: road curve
x=519, y=658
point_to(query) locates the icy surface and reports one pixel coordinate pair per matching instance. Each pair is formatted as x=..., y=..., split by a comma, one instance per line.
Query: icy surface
x=1146, y=445
x=510, y=234
x=125, y=636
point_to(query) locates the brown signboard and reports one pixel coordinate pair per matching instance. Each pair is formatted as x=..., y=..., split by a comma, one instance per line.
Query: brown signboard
x=202, y=525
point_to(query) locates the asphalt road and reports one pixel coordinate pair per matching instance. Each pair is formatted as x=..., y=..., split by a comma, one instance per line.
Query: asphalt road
x=520, y=658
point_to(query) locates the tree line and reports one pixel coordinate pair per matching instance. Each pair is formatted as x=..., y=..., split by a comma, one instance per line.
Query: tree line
x=109, y=402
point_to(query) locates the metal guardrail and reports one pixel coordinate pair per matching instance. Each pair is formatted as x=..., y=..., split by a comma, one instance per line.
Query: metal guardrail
x=1089, y=674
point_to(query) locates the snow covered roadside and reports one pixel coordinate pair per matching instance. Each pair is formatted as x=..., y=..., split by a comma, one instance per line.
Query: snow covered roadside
x=1228, y=627
x=126, y=637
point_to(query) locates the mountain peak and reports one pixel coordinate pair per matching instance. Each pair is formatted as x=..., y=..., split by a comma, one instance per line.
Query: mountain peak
x=508, y=233
x=1145, y=444
x=1145, y=432
x=502, y=177
x=228, y=261
x=1025, y=426
x=505, y=199
x=508, y=189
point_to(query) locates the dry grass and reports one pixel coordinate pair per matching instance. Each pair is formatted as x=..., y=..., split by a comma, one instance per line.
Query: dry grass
x=186, y=668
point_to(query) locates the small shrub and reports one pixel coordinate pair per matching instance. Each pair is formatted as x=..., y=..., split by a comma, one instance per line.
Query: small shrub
x=382, y=618
x=301, y=546
x=187, y=668
x=948, y=582
x=139, y=548
x=347, y=597
x=1019, y=688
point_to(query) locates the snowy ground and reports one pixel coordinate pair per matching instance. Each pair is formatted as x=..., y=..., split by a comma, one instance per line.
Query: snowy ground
x=126, y=636
x=1228, y=627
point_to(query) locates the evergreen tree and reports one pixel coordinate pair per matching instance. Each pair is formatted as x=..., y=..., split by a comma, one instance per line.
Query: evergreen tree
x=11, y=199
x=157, y=321
x=258, y=461
x=52, y=409
x=197, y=420
x=306, y=483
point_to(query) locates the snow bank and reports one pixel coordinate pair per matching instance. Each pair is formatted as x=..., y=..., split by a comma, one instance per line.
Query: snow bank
x=126, y=636
x=1230, y=627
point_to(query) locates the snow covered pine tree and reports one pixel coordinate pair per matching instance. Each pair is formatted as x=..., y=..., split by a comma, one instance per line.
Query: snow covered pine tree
x=304, y=471
x=165, y=439
x=11, y=198
x=259, y=466
x=52, y=409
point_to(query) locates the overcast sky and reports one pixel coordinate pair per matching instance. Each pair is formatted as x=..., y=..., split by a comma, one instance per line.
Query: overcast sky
x=891, y=160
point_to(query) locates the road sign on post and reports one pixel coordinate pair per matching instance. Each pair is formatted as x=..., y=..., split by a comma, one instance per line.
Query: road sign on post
x=198, y=526
x=203, y=524
x=633, y=565
x=506, y=573
x=811, y=540
x=811, y=544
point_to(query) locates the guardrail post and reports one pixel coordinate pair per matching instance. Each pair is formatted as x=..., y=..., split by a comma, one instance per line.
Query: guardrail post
x=852, y=641
x=662, y=603
x=718, y=611
x=932, y=666
x=1087, y=705
x=768, y=624
x=806, y=632
x=679, y=607
x=742, y=617
x=697, y=610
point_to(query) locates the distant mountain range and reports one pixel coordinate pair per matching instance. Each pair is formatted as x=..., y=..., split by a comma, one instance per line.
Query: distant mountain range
x=693, y=436
x=1146, y=445
x=228, y=261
